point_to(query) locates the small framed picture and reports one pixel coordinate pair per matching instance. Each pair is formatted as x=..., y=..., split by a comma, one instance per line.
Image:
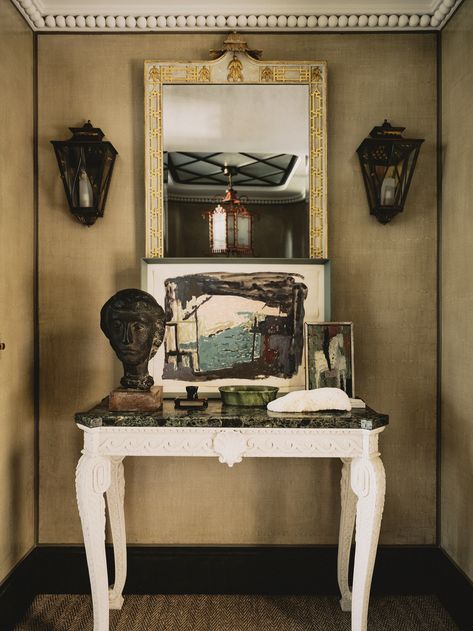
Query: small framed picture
x=329, y=356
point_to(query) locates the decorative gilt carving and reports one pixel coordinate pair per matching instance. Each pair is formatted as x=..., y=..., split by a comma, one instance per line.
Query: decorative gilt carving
x=153, y=74
x=235, y=70
x=204, y=74
x=236, y=44
x=267, y=74
x=316, y=75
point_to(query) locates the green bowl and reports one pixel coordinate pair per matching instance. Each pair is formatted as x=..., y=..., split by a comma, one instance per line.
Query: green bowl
x=254, y=396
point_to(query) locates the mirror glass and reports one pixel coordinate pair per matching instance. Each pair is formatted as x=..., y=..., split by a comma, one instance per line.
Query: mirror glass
x=258, y=132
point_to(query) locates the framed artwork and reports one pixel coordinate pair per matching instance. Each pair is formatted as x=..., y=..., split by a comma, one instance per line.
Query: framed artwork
x=329, y=353
x=235, y=321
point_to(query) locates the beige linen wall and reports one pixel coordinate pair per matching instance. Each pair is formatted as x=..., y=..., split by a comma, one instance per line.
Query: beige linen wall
x=16, y=289
x=384, y=279
x=457, y=289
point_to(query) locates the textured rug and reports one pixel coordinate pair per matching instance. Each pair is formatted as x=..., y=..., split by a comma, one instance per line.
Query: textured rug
x=236, y=613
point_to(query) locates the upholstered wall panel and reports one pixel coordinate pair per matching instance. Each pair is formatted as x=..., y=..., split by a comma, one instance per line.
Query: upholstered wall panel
x=383, y=278
x=16, y=289
x=457, y=290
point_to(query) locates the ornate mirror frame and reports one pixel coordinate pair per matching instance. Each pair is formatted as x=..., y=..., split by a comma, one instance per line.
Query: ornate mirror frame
x=236, y=64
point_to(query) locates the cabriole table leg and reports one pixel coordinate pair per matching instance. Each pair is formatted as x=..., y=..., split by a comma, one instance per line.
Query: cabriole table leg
x=369, y=483
x=92, y=481
x=347, y=524
x=115, y=500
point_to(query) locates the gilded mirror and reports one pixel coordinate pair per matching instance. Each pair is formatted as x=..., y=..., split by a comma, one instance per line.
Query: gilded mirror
x=264, y=119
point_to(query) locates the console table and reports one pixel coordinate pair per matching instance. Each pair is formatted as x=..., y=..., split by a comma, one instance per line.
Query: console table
x=230, y=433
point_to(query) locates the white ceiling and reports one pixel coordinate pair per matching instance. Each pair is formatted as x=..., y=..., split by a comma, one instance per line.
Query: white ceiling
x=248, y=15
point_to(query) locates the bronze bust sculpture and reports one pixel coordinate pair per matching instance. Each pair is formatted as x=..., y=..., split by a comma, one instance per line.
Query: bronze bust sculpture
x=134, y=323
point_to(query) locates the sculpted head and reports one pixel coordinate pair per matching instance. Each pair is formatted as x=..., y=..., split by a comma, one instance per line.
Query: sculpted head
x=134, y=323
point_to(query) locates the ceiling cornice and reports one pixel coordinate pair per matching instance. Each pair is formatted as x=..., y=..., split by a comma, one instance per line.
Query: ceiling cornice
x=124, y=16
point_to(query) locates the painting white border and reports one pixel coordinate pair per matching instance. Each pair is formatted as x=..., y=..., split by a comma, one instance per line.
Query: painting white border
x=317, y=306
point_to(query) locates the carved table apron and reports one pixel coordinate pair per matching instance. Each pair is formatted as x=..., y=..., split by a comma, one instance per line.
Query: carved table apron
x=230, y=434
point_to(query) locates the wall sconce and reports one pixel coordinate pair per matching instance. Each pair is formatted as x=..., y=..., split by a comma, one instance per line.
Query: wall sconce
x=387, y=162
x=230, y=223
x=86, y=164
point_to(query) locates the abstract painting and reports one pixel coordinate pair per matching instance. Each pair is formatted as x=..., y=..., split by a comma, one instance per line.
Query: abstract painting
x=234, y=323
x=329, y=352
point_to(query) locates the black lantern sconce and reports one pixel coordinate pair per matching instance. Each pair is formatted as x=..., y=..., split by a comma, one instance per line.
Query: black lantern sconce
x=230, y=223
x=86, y=165
x=387, y=162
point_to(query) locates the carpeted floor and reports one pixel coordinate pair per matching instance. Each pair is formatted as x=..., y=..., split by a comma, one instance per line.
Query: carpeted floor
x=236, y=613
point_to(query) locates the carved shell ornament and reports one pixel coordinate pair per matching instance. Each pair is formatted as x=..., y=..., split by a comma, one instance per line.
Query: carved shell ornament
x=230, y=446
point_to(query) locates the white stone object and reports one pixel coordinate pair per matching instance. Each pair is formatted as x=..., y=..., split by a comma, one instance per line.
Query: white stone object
x=311, y=401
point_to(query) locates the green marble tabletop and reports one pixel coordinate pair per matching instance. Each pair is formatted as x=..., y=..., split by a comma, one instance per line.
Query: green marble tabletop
x=219, y=415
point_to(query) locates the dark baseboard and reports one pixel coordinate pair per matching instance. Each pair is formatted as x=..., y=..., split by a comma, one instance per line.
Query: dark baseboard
x=239, y=570
x=17, y=591
x=455, y=591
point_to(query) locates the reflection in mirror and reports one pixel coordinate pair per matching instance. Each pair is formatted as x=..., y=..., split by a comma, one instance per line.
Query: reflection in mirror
x=258, y=132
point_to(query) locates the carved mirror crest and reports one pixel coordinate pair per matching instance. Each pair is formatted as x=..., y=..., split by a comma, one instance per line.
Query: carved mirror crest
x=226, y=108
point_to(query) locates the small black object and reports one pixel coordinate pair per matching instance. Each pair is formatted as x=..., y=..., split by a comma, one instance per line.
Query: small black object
x=192, y=392
x=192, y=401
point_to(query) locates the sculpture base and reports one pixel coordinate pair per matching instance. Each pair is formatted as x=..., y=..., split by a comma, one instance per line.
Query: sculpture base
x=127, y=400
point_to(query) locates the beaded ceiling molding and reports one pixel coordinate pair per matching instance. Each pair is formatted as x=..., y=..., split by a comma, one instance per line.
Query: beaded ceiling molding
x=123, y=16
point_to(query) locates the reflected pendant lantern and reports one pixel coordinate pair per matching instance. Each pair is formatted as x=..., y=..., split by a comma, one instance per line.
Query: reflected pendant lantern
x=387, y=162
x=86, y=165
x=230, y=224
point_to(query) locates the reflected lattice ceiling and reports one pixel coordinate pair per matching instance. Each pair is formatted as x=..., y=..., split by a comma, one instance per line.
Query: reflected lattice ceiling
x=207, y=168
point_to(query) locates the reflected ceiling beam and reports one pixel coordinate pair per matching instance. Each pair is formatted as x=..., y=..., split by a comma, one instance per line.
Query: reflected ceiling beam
x=123, y=16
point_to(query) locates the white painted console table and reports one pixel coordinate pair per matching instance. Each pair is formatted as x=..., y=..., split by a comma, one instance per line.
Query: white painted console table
x=230, y=434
